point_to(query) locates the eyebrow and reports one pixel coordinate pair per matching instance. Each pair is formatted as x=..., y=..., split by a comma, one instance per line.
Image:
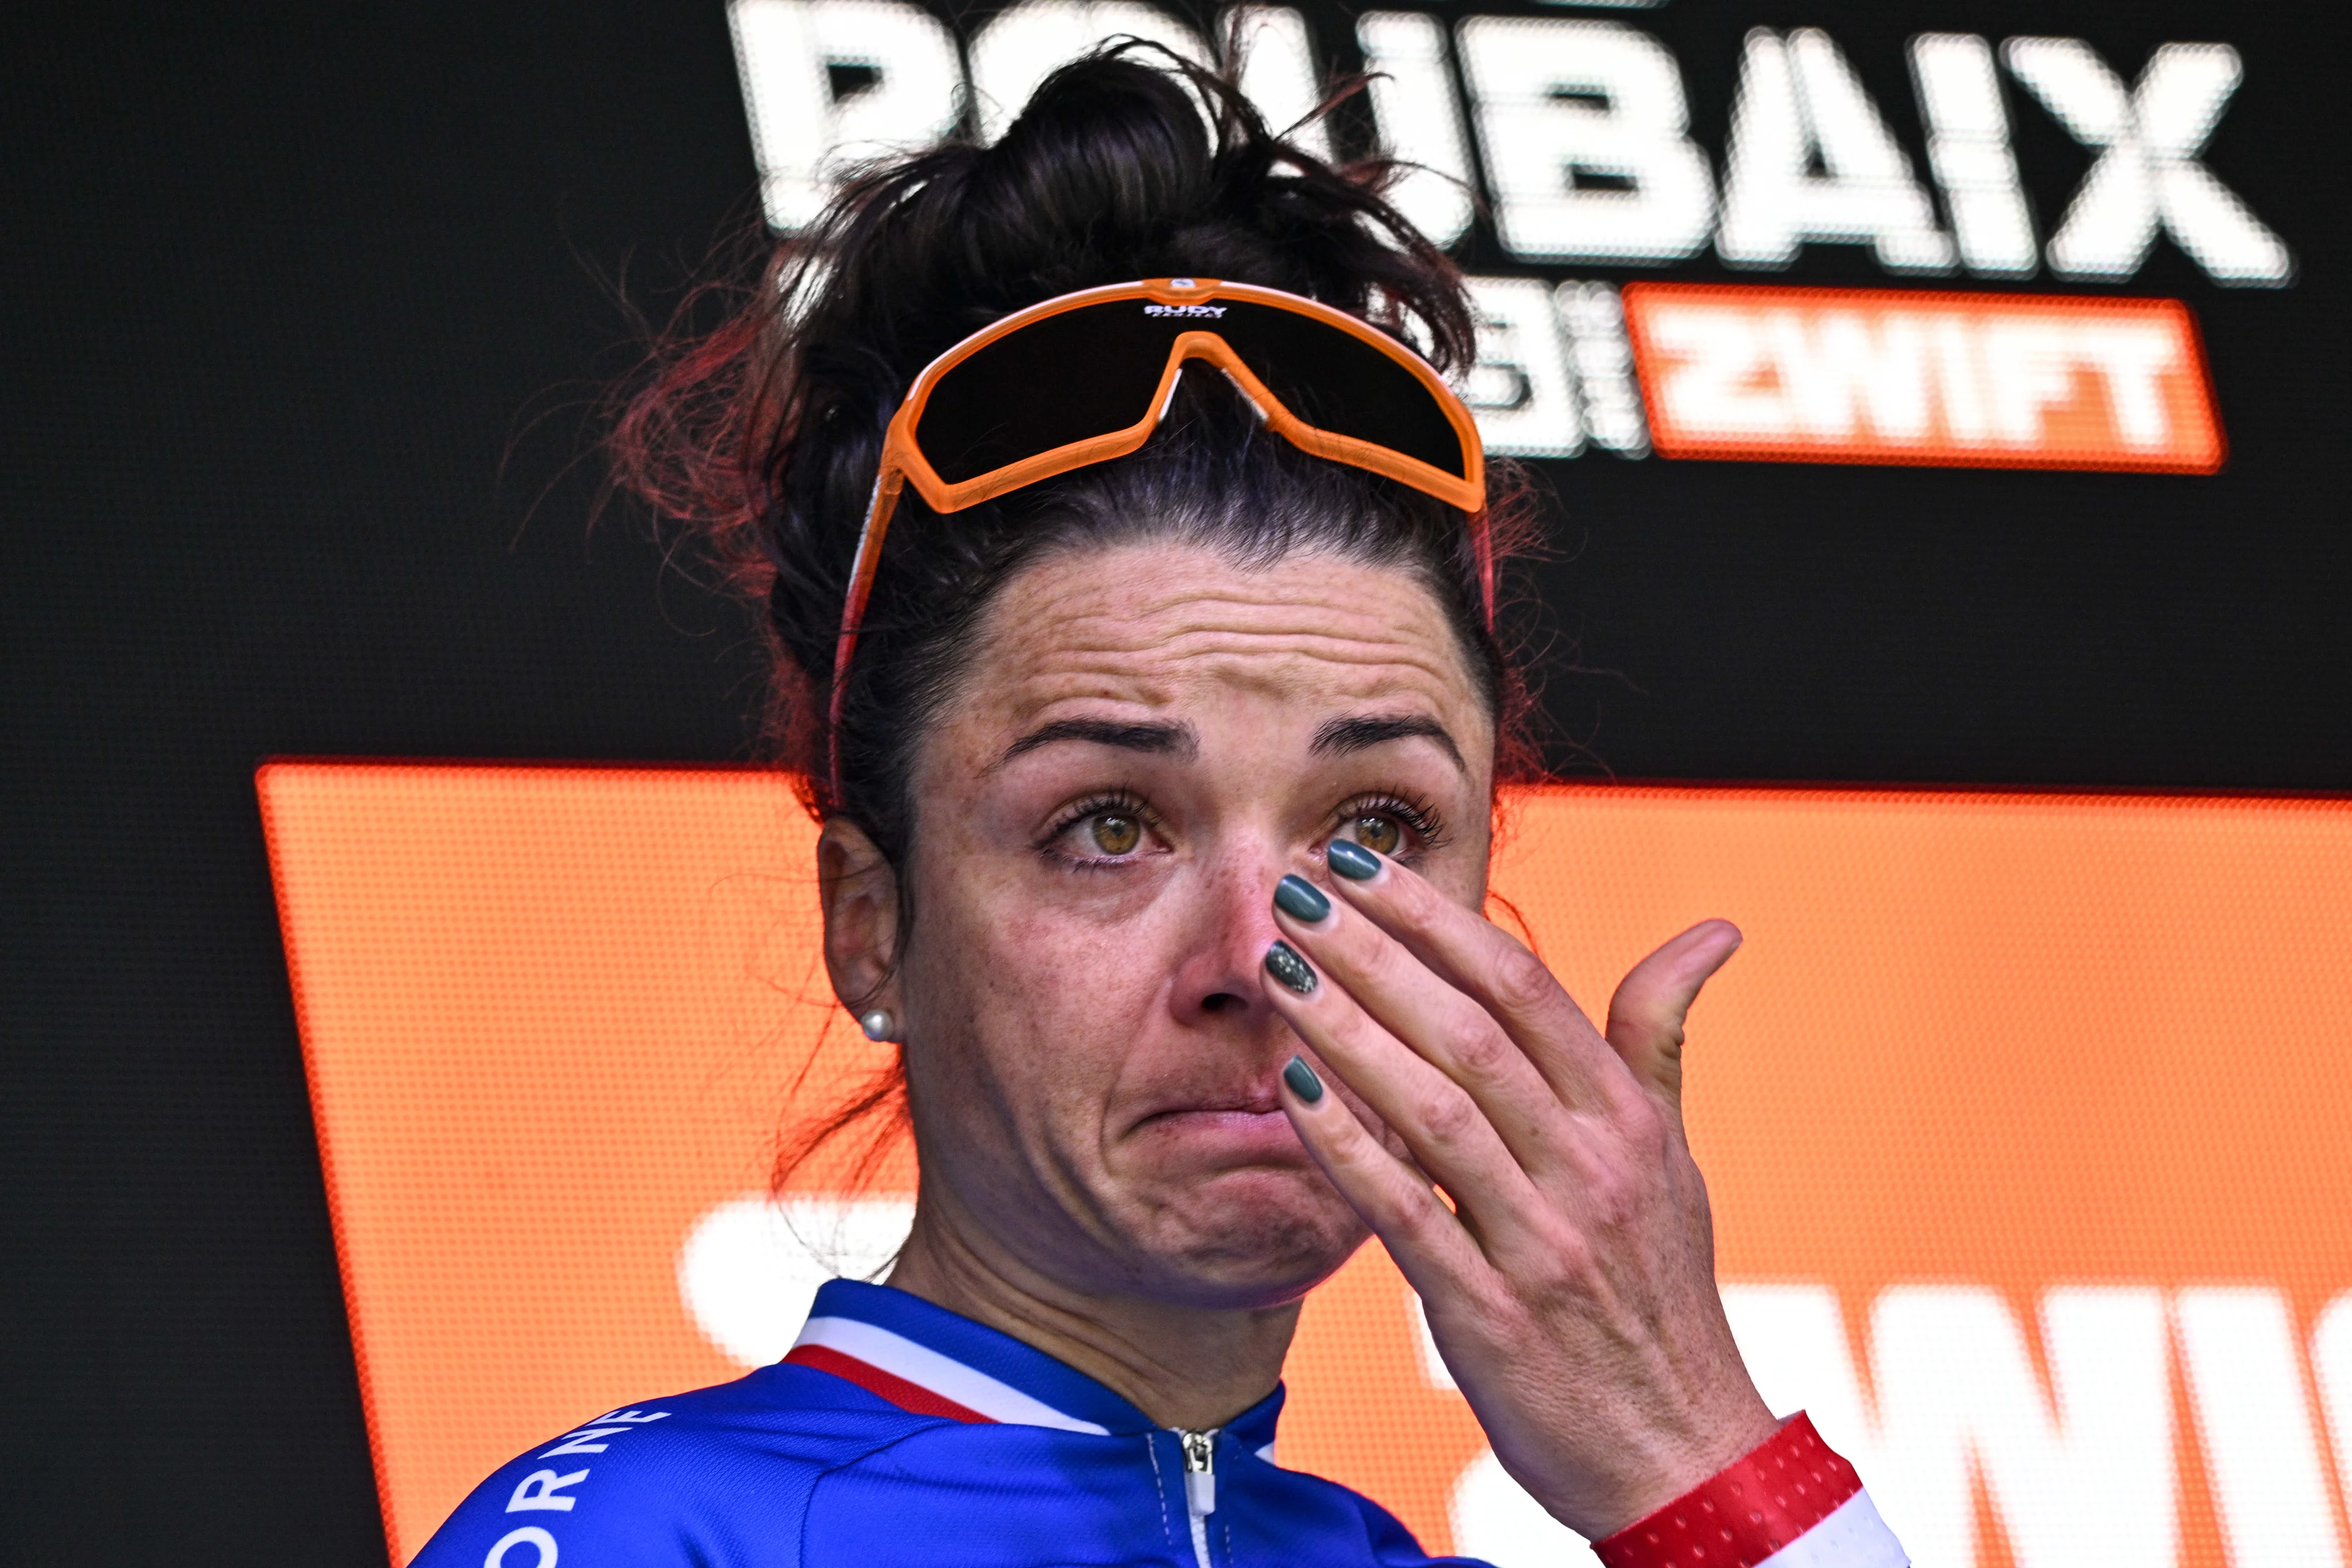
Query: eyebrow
x=1344, y=735
x=1165, y=739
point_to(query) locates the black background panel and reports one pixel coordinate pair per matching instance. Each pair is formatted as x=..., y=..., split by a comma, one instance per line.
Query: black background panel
x=307, y=312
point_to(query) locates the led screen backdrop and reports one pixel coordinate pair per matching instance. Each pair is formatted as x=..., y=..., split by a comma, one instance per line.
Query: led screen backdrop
x=2022, y=1116
x=1944, y=392
x=1557, y=143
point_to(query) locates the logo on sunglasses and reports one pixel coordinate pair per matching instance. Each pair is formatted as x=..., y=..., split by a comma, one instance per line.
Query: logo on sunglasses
x=1185, y=310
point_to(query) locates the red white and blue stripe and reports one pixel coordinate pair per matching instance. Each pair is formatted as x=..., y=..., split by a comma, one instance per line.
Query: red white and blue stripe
x=916, y=1378
x=930, y=1362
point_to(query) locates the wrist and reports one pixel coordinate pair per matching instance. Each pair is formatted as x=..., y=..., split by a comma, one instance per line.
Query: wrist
x=1772, y=1493
x=1672, y=1465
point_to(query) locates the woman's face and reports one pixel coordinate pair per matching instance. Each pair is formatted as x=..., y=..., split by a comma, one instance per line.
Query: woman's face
x=1147, y=739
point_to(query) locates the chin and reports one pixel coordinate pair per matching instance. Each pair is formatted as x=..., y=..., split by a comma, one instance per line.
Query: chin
x=1250, y=1239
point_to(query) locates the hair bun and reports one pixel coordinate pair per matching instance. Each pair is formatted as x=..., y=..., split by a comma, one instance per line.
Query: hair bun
x=1126, y=163
x=1110, y=154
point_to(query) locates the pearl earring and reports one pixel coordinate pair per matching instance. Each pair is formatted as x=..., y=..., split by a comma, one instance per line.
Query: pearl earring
x=875, y=1024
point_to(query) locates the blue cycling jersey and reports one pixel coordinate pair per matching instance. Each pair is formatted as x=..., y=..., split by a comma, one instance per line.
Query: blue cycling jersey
x=897, y=1432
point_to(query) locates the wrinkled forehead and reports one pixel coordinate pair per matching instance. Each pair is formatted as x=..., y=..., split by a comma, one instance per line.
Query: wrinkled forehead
x=1174, y=631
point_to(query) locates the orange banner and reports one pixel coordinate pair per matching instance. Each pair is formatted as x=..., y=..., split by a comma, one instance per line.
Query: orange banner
x=2023, y=1117
x=1842, y=375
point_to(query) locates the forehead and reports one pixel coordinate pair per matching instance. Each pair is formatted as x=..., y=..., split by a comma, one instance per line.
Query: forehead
x=1165, y=627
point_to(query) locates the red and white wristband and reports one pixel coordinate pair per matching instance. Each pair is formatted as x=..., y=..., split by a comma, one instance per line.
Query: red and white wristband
x=1790, y=1502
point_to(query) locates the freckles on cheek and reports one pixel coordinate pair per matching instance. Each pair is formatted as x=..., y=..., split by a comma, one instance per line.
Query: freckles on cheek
x=1067, y=966
x=1074, y=992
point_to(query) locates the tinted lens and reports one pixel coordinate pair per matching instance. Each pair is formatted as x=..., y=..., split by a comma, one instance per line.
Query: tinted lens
x=1071, y=377
x=1337, y=382
x=1092, y=371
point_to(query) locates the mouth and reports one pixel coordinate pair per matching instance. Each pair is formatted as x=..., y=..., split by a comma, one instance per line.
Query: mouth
x=1253, y=1103
x=1249, y=1127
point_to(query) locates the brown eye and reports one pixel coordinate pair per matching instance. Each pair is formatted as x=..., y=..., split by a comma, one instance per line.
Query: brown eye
x=1116, y=834
x=1381, y=835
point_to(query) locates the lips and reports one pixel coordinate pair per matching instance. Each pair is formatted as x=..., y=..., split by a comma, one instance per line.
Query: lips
x=1255, y=1103
x=1225, y=1130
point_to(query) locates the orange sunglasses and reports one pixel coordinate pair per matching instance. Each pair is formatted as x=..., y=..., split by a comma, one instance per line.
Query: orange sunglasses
x=1086, y=378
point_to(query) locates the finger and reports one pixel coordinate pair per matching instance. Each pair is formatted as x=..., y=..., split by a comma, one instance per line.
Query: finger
x=1443, y=1128
x=1495, y=970
x=1425, y=1237
x=1645, y=1016
x=1439, y=1023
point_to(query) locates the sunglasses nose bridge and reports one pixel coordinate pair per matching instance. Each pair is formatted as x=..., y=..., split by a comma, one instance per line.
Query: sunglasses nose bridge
x=1213, y=349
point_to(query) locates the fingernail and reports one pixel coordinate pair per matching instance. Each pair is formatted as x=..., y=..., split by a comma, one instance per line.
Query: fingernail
x=1282, y=962
x=1300, y=900
x=1302, y=1081
x=1352, y=861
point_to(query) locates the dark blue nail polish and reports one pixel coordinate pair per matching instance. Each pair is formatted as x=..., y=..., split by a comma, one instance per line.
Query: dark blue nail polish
x=1282, y=962
x=1302, y=1081
x=1300, y=900
x=1352, y=861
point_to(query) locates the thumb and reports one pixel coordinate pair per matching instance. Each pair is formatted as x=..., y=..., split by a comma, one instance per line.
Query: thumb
x=1645, y=1016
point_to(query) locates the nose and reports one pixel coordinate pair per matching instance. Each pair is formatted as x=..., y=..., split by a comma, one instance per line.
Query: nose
x=1222, y=975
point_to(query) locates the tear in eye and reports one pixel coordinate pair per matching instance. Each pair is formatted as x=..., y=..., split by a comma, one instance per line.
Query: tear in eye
x=1378, y=833
x=1116, y=834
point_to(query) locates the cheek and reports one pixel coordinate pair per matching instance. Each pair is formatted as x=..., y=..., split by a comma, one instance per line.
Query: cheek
x=1040, y=1006
x=1460, y=871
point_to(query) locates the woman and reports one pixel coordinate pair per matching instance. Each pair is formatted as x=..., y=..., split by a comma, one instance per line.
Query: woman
x=1154, y=720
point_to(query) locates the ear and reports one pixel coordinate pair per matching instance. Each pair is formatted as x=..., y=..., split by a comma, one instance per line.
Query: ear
x=859, y=890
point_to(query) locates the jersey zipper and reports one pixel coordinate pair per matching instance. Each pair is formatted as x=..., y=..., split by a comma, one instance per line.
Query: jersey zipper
x=1200, y=1449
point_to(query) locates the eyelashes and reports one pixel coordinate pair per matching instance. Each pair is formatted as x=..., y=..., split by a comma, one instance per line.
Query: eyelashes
x=1423, y=819
x=1127, y=829
x=1120, y=804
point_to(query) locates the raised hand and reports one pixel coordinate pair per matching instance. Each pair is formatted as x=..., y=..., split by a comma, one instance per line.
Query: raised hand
x=1568, y=1269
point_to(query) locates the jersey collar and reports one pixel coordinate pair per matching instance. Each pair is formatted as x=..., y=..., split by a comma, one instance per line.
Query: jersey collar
x=925, y=1359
